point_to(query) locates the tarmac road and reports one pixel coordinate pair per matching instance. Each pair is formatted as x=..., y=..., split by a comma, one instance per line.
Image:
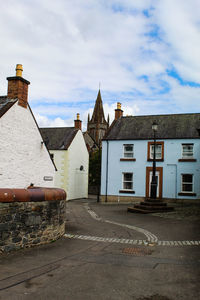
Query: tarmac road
x=108, y=256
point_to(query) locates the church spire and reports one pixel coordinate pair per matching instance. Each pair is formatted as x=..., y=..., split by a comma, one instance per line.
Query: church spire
x=97, y=126
x=98, y=113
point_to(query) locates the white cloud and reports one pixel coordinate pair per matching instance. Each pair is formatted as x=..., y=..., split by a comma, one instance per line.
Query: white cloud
x=68, y=47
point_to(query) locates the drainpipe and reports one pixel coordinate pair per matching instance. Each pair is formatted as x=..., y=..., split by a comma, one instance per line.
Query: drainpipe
x=106, y=200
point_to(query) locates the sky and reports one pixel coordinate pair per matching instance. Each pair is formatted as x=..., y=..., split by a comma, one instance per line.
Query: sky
x=142, y=53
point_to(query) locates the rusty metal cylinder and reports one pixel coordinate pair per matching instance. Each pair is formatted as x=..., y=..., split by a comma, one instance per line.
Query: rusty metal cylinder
x=33, y=194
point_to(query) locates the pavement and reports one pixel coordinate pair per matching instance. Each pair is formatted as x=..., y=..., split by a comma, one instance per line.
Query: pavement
x=108, y=253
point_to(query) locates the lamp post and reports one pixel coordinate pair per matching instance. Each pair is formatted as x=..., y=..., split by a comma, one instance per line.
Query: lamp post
x=154, y=178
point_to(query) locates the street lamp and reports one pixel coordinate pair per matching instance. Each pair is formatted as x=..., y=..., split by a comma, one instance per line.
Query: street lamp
x=154, y=178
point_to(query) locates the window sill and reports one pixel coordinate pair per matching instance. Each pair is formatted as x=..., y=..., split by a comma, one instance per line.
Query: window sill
x=160, y=159
x=127, y=159
x=186, y=194
x=187, y=159
x=127, y=191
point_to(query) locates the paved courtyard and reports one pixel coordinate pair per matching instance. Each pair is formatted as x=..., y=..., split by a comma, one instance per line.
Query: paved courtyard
x=108, y=253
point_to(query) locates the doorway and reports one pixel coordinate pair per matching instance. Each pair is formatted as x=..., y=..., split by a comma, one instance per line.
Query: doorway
x=159, y=175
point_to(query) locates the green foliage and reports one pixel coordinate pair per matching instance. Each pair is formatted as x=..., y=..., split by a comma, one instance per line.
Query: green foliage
x=95, y=168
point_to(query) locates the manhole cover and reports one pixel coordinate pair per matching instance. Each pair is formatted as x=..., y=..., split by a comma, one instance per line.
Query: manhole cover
x=137, y=251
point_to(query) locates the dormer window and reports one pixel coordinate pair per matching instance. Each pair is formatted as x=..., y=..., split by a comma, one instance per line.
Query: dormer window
x=128, y=151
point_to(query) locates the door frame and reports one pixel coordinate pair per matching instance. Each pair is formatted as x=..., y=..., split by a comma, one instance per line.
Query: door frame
x=148, y=170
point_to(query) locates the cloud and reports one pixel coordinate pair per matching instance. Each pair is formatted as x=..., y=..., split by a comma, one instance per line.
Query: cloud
x=68, y=47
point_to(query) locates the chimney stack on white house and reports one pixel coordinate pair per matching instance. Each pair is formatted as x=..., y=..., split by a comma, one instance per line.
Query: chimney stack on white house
x=78, y=122
x=18, y=87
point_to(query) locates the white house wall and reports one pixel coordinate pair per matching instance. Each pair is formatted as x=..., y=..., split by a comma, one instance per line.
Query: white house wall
x=23, y=159
x=68, y=162
x=78, y=179
x=172, y=168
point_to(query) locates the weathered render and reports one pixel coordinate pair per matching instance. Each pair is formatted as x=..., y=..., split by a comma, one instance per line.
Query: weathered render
x=70, y=154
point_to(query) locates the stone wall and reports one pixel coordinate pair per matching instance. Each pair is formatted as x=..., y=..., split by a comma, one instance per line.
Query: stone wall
x=31, y=223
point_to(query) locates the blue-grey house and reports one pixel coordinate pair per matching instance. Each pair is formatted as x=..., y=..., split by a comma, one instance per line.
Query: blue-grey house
x=127, y=154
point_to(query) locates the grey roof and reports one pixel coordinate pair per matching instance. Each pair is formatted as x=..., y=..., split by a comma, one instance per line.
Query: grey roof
x=177, y=126
x=58, y=138
x=6, y=104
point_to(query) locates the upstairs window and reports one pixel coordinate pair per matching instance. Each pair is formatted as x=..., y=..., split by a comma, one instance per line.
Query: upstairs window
x=159, y=151
x=128, y=151
x=187, y=151
x=127, y=181
x=187, y=183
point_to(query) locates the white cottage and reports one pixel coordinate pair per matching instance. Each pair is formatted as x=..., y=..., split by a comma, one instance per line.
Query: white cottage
x=70, y=154
x=24, y=158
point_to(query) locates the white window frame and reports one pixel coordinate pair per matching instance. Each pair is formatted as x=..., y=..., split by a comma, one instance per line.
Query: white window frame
x=128, y=152
x=151, y=151
x=123, y=181
x=185, y=153
x=190, y=183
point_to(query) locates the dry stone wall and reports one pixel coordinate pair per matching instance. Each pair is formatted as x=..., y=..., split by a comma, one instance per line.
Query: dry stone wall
x=27, y=224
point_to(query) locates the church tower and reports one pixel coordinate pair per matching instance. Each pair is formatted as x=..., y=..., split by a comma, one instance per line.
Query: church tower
x=97, y=126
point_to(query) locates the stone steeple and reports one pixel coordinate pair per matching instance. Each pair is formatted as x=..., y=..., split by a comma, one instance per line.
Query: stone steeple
x=97, y=126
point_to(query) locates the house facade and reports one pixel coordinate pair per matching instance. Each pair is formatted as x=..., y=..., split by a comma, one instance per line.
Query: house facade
x=24, y=158
x=70, y=154
x=127, y=155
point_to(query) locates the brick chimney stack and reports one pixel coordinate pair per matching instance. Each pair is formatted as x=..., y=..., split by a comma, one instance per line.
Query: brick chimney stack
x=18, y=87
x=78, y=122
x=118, y=111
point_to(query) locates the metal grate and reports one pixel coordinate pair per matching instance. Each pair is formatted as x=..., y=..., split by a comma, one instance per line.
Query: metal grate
x=137, y=251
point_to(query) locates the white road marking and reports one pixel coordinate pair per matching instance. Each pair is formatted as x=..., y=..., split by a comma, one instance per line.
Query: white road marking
x=150, y=236
x=128, y=241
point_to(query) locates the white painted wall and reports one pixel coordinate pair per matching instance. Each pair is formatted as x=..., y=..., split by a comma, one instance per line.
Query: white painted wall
x=68, y=162
x=23, y=159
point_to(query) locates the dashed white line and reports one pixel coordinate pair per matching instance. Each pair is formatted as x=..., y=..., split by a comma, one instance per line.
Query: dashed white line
x=133, y=242
x=150, y=236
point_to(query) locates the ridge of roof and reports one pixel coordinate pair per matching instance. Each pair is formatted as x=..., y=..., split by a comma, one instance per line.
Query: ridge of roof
x=170, y=126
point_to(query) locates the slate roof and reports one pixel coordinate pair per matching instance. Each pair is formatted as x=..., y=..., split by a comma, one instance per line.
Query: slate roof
x=176, y=126
x=58, y=138
x=6, y=104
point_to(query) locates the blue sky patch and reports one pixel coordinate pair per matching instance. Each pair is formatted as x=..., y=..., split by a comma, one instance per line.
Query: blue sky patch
x=173, y=73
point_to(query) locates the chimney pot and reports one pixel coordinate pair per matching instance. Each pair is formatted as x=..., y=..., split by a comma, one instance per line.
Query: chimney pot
x=19, y=70
x=118, y=105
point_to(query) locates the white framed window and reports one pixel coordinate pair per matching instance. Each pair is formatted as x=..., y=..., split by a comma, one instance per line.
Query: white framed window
x=158, y=151
x=128, y=150
x=187, y=151
x=187, y=185
x=127, y=183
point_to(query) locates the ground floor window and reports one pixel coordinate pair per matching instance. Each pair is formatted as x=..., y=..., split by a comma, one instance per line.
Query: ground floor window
x=127, y=181
x=187, y=185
